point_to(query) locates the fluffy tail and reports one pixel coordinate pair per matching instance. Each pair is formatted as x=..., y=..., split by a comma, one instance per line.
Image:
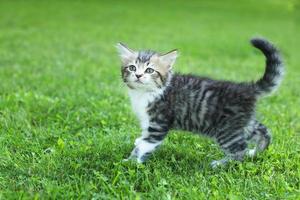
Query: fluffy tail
x=274, y=67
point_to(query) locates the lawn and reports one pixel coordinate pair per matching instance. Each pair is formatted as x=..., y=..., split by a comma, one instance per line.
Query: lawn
x=65, y=117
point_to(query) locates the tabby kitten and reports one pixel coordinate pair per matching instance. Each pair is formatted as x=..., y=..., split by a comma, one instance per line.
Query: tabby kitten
x=222, y=110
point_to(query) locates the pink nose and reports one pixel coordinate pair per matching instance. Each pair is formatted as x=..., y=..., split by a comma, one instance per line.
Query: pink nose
x=138, y=75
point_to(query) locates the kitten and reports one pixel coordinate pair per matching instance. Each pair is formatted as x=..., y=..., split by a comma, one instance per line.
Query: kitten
x=222, y=110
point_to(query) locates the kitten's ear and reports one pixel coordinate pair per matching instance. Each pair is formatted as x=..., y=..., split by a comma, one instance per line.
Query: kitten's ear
x=169, y=58
x=125, y=53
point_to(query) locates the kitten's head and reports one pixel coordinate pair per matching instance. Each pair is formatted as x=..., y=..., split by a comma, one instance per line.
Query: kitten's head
x=145, y=70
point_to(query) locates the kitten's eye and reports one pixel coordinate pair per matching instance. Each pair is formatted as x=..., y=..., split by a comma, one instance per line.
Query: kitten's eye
x=132, y=68
x=149, y=70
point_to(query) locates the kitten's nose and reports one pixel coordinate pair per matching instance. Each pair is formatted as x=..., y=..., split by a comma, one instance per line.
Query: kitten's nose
x=138, y=75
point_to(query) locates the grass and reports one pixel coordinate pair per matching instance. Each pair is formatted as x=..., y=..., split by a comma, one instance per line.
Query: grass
x=65, y=118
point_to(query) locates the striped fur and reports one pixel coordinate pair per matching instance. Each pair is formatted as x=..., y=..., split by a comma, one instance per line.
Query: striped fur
x=222, y=110
x=274, y=67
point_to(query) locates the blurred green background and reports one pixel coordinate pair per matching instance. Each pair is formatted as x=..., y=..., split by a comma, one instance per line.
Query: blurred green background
x=65, y=118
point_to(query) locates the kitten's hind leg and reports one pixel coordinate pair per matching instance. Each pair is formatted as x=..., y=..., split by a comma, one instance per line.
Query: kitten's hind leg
x=261, y=136
x=145, y=145
x=217, y=163
x=234, y=146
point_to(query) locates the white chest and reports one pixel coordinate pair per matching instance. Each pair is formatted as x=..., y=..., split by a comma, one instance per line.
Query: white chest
x=139, y=102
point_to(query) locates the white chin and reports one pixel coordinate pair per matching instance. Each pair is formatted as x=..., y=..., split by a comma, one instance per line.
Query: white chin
x=141, y=85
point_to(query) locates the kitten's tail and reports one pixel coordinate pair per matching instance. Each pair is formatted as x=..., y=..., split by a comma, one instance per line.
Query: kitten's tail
x=274, y=67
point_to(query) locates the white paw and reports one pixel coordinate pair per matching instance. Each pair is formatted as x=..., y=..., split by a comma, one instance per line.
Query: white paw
x=216, y=163
x=125, y=160
x=251, y=152
x=129, y=158
x=137, y=160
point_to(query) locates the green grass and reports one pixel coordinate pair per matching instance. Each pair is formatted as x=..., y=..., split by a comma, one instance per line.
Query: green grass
x=65, y=118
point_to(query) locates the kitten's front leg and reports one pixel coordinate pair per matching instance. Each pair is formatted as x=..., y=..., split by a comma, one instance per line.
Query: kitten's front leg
x=147, y=143
x=138, y=140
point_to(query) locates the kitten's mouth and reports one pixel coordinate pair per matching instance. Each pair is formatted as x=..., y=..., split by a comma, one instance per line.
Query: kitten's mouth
x=138, y=81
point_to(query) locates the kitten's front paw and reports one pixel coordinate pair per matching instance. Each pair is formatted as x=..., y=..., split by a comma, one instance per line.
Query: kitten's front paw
x=131, y=157
x=134, y=159
x=126, y=160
